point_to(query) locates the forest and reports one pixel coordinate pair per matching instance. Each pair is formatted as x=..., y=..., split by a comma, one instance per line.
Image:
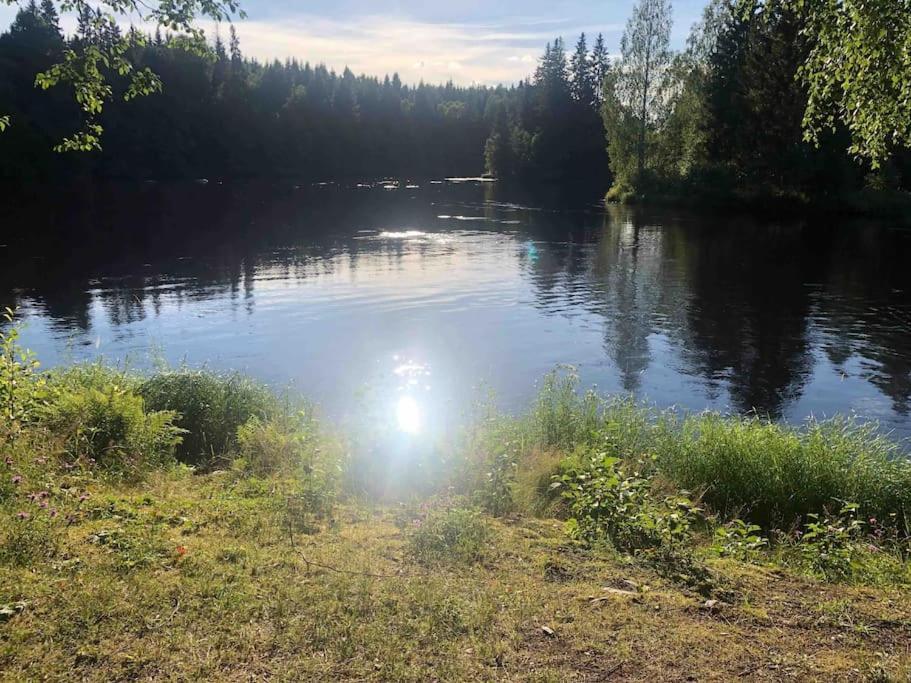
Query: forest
x=724, y=118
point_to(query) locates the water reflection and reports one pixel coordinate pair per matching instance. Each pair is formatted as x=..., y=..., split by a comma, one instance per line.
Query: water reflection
x=322, y=287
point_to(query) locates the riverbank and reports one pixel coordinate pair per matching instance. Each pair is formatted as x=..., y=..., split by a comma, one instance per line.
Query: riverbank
x=881, y=204
x=199, y=525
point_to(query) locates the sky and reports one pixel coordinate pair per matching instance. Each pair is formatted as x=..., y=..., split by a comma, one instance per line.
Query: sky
x=492, y=42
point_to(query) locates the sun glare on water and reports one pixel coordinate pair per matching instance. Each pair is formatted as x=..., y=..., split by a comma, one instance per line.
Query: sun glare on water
x=408, y=415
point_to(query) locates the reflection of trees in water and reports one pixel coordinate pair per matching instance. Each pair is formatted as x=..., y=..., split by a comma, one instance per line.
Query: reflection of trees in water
x=195, y=243
x=747, y=322
x=744, y=302
x=863, y=308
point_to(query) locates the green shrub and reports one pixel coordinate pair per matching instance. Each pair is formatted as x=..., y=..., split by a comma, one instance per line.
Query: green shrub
x=112, y=427
x=267, y=447
x=561, y=418
x=739, y=540
x=449, y=535
x=828, y=544
x=495, y=495
x=534, y=492
x=610, y=503
x=211, y=408
x=775, y=475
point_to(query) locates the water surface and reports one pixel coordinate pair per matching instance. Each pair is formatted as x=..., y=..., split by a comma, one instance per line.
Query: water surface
x=402, y=302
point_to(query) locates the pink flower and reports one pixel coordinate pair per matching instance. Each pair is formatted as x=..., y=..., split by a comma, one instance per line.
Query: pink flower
x=53, y=512
x=40, y=461
x=9, y=461
x=22, y=515
x=84, y=497
x=17, y=479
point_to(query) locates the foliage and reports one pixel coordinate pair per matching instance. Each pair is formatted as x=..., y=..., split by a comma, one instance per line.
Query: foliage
x=645, y=47
x=211, y=409
x=101, y=51
x=858, y=73
x=276, y=445
x=560, y=417
x=20, y=384
x=827, y=543
x=549, y=128
x=610, y=503
x=770, y=99
x=739, y=540
x=496, y=494
x=110, y=426
x=775, y=475
x=449, y=534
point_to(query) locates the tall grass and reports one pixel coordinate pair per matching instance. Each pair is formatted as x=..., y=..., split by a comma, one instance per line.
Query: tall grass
x=211, y=407
x=771, y=474
x=775, y=474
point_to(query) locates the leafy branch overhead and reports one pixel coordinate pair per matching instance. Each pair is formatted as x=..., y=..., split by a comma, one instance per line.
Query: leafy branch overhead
x=859, y=72
x=100, y=50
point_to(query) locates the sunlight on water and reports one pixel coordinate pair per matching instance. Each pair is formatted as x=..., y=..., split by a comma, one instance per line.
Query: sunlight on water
x=408, y=415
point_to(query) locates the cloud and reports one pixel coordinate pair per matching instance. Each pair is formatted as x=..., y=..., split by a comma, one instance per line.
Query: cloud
x=428, y=51
x=483, y=51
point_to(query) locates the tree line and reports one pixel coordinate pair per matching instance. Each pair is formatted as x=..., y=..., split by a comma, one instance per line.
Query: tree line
x=769, y=97
x=220, y=114
x=755, y=106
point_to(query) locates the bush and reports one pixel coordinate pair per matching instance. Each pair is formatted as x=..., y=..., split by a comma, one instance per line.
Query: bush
x=610, y=503
x=211, y=408
x=267, y=447
x=561, y=418
x=775, y=475
x=112, y=427
x=828, y=544
x=449, y=535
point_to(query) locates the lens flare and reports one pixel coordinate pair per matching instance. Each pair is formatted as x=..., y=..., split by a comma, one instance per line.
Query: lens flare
x=408, y=415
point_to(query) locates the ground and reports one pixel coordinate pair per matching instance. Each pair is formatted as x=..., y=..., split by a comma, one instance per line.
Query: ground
x=219, y=578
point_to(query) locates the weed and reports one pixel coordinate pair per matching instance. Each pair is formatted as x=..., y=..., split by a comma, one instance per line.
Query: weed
x=610, y=503
x=739, y=540
x=449, y=535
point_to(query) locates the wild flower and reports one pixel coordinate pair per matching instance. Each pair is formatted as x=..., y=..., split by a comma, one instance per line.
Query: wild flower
x=53, y=512
x=181, y=551
x=8, y=461
x=40, y=461
x=84, y=497
x=22, y=515
x=17, y=479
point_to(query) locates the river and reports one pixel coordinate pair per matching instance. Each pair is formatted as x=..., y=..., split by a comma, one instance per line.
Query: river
x=415, y=302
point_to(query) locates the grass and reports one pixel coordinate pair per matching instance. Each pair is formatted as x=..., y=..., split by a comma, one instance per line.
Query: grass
x=194, y=525
x=199, y=579
x=211, y=408
x=776, y=475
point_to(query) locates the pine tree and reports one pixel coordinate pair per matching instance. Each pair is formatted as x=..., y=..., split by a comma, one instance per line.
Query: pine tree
x=582, y=83
x=600, y=64
x=49, y=15
x=237, y=56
